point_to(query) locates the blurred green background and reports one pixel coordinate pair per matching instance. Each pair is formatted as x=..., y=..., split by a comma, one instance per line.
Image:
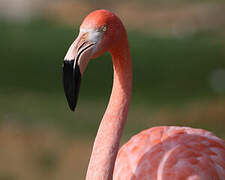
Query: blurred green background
x=178, y=53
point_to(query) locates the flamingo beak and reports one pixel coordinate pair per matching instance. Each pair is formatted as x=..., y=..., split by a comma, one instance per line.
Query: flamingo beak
x=75, y=62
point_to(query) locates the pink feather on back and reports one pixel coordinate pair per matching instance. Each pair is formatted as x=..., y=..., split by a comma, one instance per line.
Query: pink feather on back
x=171, y=153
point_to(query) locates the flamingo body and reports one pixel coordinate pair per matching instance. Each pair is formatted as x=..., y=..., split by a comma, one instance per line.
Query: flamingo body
x=171, y=153
x=160, y=153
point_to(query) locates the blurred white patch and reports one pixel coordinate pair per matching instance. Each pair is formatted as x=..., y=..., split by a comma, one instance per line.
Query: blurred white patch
x=93, y=34
x=217, y=80
x=21, y=10
x=194, y=177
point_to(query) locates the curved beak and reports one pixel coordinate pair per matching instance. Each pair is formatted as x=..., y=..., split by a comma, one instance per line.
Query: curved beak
x=75, y=62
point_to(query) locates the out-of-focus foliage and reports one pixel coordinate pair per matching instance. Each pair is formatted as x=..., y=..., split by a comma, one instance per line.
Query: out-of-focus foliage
x=165, y=68
x=168, y=71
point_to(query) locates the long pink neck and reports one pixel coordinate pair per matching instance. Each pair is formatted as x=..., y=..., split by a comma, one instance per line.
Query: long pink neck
x=107, y=141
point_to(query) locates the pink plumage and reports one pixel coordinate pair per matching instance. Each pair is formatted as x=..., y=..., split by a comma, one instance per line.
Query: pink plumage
x=171, y=153
x=160, y=153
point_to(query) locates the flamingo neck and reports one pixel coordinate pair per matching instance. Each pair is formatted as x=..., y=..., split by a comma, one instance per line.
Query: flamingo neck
x=107, y=141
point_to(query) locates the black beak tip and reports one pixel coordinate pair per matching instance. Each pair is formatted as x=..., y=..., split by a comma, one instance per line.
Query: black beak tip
x=71, y=82
x=72, y=108
x=71, y=101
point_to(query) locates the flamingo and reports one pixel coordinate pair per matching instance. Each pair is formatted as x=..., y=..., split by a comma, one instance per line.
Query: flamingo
x=158, y=153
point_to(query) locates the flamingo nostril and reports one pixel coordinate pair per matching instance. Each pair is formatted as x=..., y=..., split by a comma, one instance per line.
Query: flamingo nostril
x=82, y=45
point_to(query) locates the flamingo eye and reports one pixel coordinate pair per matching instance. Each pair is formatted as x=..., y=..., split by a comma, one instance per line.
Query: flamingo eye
x=102, y=28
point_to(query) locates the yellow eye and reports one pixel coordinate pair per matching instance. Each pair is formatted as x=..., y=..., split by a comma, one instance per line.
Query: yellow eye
x=104, y=28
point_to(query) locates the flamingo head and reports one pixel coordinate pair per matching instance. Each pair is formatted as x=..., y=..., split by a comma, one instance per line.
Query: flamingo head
x=99, y=33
